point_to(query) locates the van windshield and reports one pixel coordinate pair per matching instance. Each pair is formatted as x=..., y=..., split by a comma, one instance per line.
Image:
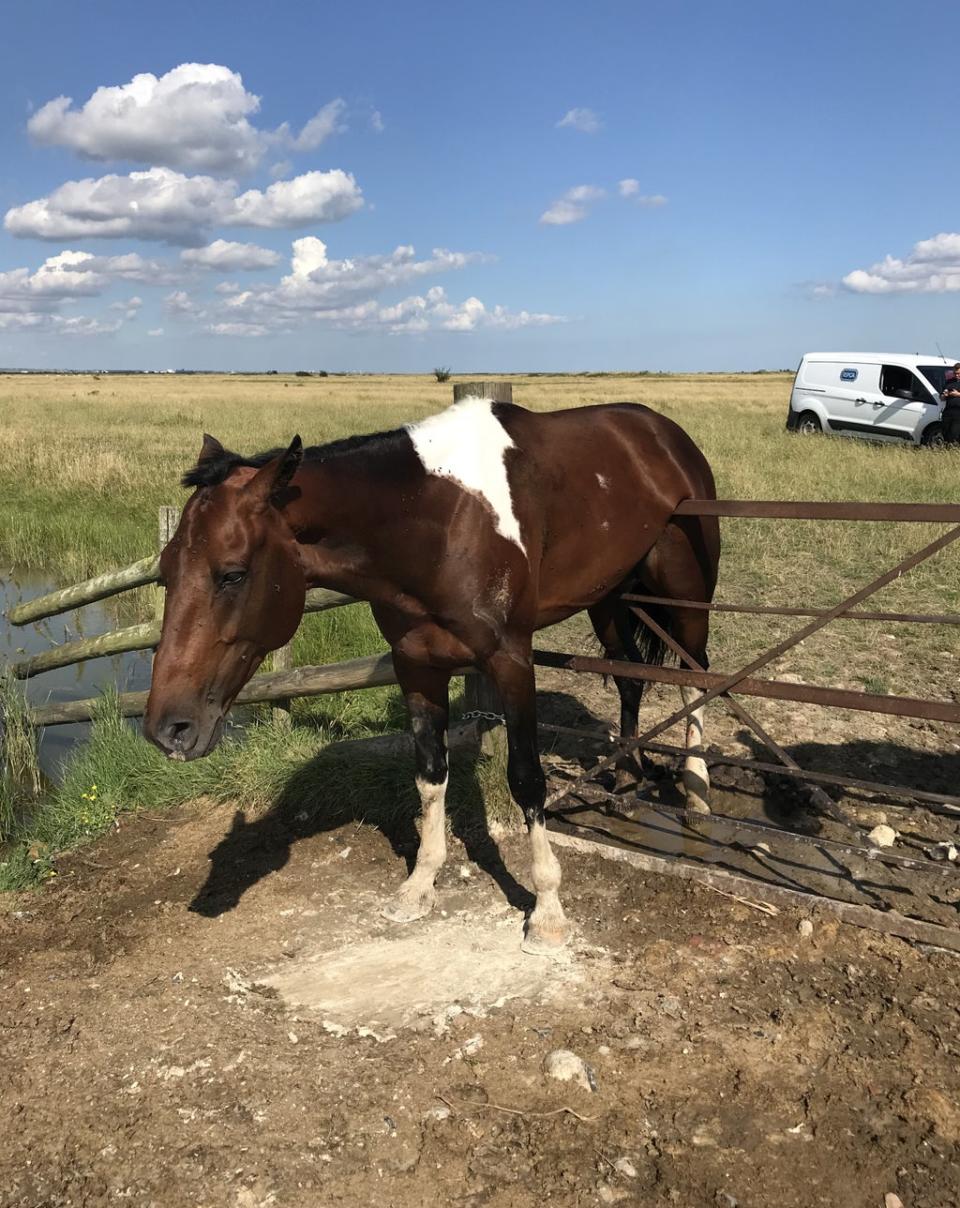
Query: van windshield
x=936, y=375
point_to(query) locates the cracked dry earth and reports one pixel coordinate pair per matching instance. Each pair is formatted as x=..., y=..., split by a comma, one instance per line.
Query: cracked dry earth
x=250, y=1032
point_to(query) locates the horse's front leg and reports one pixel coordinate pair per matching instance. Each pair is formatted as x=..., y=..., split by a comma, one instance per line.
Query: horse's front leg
x=426, y=690
x=513, y=674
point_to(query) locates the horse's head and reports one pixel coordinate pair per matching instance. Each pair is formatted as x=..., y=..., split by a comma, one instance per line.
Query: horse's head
x=235, y=590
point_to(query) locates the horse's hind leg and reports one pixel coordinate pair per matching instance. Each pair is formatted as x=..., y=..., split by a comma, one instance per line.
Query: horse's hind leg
x=682, y=564
x=602, y=617
x=426, y=690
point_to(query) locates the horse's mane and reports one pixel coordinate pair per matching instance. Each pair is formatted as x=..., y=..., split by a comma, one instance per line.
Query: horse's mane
x=213, y=470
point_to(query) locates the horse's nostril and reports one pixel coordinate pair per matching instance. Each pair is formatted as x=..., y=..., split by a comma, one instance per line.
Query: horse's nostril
x=179, y=736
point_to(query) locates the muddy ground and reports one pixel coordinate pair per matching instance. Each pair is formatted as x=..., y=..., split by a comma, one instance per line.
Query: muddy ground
x=199, y=1012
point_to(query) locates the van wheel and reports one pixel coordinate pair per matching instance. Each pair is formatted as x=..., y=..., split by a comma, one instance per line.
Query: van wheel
x=933, y=437
x=809, y=424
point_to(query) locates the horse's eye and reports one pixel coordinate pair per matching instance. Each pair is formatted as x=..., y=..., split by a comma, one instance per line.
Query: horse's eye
x=232, y=578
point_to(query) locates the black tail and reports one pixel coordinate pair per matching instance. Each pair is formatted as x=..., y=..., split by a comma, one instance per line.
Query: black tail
x=639, y=641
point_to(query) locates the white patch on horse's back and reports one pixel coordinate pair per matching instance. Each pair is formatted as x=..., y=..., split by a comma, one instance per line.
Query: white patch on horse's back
x=604, y=482
x=468, y=444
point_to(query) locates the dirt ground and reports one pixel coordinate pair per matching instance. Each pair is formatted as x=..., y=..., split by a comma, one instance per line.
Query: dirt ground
x=203, y=1011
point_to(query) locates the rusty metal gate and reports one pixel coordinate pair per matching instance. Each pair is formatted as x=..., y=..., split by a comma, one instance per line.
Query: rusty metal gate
x=935, y=861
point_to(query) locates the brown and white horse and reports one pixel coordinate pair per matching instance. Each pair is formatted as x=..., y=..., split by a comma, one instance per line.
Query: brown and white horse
x=467, y=532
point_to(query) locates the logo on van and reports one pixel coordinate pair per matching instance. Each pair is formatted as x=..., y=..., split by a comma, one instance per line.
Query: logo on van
x=848, y=375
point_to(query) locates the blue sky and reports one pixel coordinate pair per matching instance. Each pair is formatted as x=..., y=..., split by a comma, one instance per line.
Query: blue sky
x=733, y=184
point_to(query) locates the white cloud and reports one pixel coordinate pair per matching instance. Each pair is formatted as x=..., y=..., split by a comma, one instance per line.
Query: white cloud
x=343, y=294
x=155, y=331
x=376, y=122
x=161, y=204
x=329, y=120
x=283, y=168
x=228, y=257
x=315, y=281
x=180, y=305
x=931, y=267
x=630, y=189
x=411, y=316
x=313, y=197
x=195, y=117
x=572, y=206
x=584, y=120
x=70, y=275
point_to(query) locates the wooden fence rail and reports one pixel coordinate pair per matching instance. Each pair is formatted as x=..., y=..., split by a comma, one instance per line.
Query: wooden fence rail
x=136, y=637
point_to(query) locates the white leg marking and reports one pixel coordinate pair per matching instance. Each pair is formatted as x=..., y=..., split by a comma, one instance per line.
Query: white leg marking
x=417, y=897
x=696, y=778
x=547, y=926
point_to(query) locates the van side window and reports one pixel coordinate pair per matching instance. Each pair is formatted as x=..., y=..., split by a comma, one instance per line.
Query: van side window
x=898, y=382
x=936, y=375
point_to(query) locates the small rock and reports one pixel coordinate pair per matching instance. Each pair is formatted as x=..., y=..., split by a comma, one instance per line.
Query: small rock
x=892, y=1200
x=471, y=1047
x=293, y=1037
x=883, y=836
x=346, y=852
x=568, y=1067
x=625, y=1167
x=465, y=872
x=943, y=851
x=805, y=927
x=437, y=1113
x=610, y=1195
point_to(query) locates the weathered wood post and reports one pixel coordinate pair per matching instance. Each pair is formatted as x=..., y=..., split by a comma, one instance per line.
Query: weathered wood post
x=167, y=523
x=283, y=661
x=480, y=695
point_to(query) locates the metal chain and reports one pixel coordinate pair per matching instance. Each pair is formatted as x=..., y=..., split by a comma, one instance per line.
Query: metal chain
x=481, y=715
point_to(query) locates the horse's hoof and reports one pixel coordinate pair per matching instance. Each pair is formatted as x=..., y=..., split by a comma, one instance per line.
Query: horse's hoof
x=408, y=907
x=545, y=939
x=696, y=805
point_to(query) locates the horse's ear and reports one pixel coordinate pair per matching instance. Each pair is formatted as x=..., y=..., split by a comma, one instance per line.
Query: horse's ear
x=211, y=449
x=268, y=483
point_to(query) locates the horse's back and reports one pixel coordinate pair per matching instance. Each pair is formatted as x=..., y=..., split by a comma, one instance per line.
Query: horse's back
x=595, y=488
x=618, y=447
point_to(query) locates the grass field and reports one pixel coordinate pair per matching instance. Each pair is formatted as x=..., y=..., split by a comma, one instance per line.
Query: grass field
x=86, y=461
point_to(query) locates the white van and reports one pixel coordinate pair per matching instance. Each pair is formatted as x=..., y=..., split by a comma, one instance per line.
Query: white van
x=874, y=395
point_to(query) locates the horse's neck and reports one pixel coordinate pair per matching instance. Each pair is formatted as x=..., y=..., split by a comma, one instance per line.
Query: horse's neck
x=339, y=516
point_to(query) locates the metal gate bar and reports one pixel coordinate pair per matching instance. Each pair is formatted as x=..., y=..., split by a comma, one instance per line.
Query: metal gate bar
x=873, y=855
x=951, y=804
x=808, y=694
x=817, y=795
x=854, y=614
x=721, y=685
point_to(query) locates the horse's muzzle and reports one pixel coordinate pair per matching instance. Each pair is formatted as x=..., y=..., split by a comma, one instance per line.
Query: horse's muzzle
x=184, y=738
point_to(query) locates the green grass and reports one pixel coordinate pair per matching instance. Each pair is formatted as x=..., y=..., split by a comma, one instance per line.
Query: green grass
x=302, y=774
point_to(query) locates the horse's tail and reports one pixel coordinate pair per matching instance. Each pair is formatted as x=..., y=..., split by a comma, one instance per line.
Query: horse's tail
x=639, y=641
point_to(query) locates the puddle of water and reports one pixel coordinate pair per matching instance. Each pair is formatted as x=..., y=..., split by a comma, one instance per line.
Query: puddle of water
x=128, y=672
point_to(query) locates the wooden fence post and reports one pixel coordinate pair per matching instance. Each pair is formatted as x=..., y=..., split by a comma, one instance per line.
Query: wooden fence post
x=283, y=661
x=167, y=522
x=480, y=695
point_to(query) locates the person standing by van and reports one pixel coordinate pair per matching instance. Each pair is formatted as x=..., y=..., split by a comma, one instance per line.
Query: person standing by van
x=951, y=406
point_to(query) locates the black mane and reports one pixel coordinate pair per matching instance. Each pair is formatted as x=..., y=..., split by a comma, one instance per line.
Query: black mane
x=213, y=470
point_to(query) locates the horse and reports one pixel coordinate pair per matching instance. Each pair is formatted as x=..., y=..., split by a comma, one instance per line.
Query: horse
x=466, y=531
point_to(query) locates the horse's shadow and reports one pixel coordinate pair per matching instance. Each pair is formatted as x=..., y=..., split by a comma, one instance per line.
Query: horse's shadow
x=382, y=794
x=313, y=802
